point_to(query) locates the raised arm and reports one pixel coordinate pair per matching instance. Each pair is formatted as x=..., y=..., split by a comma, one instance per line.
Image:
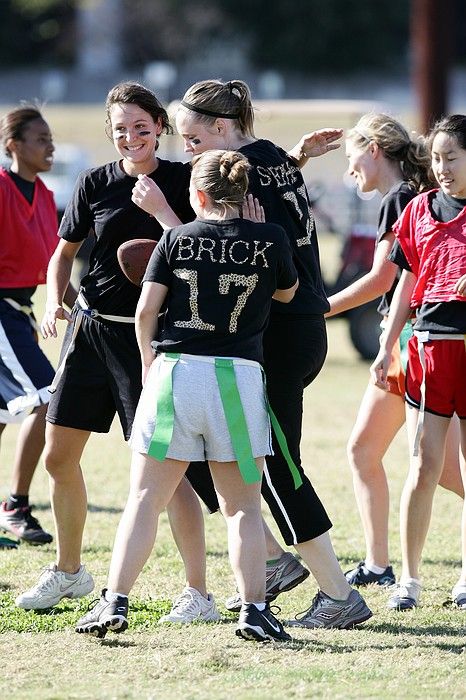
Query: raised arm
x=316, y=143
x=377, y=281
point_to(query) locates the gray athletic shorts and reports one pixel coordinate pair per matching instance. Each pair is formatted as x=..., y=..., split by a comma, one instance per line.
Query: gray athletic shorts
x=200, y=431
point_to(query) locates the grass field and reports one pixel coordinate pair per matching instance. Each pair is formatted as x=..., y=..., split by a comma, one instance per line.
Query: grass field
x=420, y=654
x=412, y=655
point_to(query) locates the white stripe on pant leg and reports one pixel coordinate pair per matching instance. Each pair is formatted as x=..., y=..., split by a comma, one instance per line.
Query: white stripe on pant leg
x=21, y=403
x=279, y=502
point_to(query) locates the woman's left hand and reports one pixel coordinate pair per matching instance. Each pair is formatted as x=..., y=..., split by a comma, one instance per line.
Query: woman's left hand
x=253, y=210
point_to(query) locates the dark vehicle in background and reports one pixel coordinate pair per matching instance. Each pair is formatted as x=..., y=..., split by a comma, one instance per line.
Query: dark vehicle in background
x=355, y=259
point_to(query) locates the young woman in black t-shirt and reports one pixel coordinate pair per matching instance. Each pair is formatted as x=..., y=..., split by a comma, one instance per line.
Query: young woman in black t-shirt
x=204, y=393
x=214, y=114
x=382, y=156
x=101, y=372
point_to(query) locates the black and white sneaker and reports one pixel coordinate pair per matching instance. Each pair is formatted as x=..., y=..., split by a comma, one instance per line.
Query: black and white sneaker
x=103, y=616
x=21, y=523
x=260, y=626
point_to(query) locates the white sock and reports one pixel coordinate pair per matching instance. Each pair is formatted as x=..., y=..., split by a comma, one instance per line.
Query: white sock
x=259, y=606
x=112, y=597
x=374, y=568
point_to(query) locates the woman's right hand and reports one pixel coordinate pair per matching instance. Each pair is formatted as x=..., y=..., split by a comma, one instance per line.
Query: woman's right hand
x=52, y=313
x=379, y=369
x=148, y=196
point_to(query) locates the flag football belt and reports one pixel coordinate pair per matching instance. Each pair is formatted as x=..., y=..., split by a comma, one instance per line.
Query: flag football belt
x=234, y=416
x=83, y=310
x=422, y=338
x=27, y=310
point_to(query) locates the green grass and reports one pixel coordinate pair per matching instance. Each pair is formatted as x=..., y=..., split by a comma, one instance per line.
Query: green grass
x=419, y=654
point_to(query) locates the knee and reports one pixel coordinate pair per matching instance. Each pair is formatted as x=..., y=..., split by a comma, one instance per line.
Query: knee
x=57, y=462
x=361, y=456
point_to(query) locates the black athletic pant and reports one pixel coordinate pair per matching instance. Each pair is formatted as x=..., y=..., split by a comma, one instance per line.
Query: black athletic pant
x=295, y=348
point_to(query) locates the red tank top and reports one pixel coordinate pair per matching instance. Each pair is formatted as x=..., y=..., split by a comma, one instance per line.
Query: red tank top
x=435, y=251
x=28, y=234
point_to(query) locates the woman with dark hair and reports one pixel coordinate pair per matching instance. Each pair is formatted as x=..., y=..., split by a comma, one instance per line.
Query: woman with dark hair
x=431, y=249
x=100, y=371
x=28, y=237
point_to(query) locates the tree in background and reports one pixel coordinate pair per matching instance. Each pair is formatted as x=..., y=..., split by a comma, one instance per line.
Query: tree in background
x=307, y=37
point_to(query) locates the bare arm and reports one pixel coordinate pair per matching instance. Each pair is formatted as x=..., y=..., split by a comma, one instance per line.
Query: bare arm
x=58, y=278
x=286, y=295
x=399, y=313
x=316, y=143
x=147, y=311
x=148, y=196
x=460, y=286
x=377, y=281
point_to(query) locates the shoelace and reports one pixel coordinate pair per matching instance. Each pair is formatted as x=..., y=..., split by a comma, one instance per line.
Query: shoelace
x=185, y=602
x=402, y=591
x=46, y=579
x=315, y=604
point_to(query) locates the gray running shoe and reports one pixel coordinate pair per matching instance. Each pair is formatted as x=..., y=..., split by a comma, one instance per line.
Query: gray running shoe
x=287, y=573
x=337, y=614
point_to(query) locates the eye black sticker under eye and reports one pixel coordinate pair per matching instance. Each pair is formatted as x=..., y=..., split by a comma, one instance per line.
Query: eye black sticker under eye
x=144, y=133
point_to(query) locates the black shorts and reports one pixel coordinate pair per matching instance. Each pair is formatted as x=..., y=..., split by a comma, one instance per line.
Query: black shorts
x=102, y=376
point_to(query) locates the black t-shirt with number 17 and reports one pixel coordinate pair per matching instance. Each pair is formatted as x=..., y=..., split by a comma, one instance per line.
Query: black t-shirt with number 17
x=221, y=276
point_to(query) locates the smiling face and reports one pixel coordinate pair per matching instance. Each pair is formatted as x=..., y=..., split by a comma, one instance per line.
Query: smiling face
x=135, y=135
x=449, y=165
x=362, y=166
x=197, y=136
x=33, y=152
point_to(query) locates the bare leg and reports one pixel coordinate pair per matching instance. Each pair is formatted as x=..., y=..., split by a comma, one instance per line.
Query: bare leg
x=321, y=560
x=463, y=518
x=419, y=488
x=380, y=417
x=187, y=525
x=29, y=446
x=450, y=477
x=274, y=549
x=240, y=504
x=63, y=450
x=152, y=486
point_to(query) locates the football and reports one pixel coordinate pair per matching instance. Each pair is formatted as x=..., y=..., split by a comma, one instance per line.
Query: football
x=133, y=257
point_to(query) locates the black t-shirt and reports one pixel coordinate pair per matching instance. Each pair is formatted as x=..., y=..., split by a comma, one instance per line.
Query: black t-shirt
x=445, y=316
x=391, y=207
x=102, y=203
x=221, y=276
x=277, y=182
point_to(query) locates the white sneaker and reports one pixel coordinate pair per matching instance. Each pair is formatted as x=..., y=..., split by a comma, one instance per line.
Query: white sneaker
x=458, y=595
x=191, y=606
x=53, y=585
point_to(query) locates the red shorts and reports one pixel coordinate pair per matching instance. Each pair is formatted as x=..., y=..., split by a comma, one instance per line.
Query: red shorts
x=445, y=376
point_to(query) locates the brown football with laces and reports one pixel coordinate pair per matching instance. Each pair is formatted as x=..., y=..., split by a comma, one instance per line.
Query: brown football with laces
x=133, y=257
